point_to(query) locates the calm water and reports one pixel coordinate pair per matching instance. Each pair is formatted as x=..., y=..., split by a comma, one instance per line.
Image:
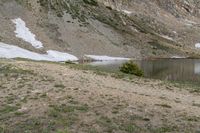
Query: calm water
x=165, y=69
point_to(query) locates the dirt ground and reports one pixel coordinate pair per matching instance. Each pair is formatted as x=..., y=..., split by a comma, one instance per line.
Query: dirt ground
x=42, y=97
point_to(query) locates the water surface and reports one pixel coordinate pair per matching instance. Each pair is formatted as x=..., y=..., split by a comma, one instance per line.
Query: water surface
x=165, y=69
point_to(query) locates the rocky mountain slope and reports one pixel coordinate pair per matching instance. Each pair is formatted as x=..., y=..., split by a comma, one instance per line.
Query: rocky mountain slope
x=127, y=28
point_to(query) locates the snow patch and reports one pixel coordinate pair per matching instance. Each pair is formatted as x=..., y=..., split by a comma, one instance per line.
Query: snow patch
x=61, y=56
x=126, y=12
x=24, y=33
x=11, y=51
x=105, y=58
x=167, y=37
x=174, y=32
x=197, y=45
x=178, y=57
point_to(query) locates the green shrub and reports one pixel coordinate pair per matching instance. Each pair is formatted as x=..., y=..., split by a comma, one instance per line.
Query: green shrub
x=131, y=68
x=91, y=2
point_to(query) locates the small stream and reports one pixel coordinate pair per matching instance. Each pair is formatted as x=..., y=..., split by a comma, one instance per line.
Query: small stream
x=165, y=69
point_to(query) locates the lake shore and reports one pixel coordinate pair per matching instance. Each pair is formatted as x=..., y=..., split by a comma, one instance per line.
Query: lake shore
x=53, y=97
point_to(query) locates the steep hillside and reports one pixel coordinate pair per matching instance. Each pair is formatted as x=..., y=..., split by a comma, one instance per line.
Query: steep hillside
x=128, y=28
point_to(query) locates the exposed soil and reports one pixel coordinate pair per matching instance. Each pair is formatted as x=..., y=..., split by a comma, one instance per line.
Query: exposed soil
x=48, y=97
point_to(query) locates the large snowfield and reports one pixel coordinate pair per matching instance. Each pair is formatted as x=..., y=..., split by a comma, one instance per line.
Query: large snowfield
x=11, y=51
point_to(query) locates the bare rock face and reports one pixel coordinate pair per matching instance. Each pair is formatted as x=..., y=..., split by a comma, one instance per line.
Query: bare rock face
x=175, y=7
x=129, y=28
x=180, y=7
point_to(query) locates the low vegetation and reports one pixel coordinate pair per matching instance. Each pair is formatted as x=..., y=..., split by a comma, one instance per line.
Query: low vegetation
x=91, y=2
x=55, y=98
x=131, y=68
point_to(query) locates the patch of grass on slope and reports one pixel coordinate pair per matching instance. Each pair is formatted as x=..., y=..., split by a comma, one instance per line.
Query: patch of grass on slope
x=7, y=69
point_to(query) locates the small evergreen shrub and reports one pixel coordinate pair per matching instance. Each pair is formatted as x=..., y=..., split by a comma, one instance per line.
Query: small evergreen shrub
x=131, y=68
x=91, y=2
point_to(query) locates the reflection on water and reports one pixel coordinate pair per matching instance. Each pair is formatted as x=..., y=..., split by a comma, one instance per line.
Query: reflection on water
x=171, y=69
x=107, y=65
x=197, y=68
x=166, y=69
